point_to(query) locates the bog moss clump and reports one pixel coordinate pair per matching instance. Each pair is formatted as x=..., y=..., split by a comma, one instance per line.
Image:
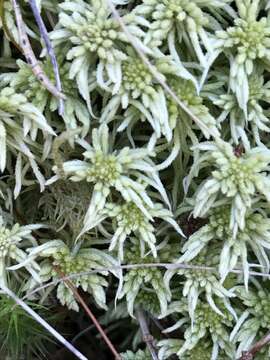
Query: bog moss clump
x=150, y=187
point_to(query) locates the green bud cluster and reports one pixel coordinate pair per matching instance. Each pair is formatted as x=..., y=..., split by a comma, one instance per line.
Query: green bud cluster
x=10, y=101
x=137, y=79
x=104, y=169
x=206, y=318
x=130, y=217
x=5, y=241
x=67, y=263
x=250, y=39
x=167, y=14
x=139, y=355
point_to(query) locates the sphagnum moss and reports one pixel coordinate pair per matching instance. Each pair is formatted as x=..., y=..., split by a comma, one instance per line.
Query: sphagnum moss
x=134, y=180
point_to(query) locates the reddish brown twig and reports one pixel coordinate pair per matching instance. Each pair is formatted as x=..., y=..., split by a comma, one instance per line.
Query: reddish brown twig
x=249, y=355
x=89, y=313
x=246, y=356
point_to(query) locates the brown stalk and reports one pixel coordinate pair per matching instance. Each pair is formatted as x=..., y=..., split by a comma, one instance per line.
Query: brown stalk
x=89, y=313
x=250, y=354
x=147, y=337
